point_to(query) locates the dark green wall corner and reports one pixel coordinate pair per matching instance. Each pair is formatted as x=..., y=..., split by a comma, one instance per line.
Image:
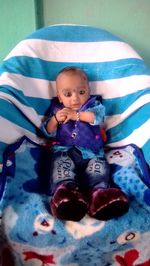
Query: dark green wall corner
x=18, y=19
x=39, y=15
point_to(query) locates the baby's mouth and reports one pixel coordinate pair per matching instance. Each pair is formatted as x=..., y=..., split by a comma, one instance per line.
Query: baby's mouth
x=75, y=106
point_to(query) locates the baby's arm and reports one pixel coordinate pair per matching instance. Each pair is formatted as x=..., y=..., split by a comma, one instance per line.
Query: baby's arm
x=51, y=125
x=56, y=119
x=99, y=113
x=94, y=115
x=87, y=117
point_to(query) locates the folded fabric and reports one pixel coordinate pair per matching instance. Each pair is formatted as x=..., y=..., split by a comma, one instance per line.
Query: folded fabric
x=115, y=71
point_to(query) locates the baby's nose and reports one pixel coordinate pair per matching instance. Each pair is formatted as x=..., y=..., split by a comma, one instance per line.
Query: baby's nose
x=75, y=96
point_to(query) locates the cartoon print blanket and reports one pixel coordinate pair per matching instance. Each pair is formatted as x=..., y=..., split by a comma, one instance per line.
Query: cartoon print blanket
x=34, y=238
x=29, y=235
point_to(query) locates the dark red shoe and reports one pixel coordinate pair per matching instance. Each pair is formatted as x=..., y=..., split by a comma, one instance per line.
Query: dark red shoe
x=108, y=203
x=68, y=203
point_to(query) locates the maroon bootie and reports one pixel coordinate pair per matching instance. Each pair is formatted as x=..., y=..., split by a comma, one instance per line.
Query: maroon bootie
x=107, y=203
x=68, y=203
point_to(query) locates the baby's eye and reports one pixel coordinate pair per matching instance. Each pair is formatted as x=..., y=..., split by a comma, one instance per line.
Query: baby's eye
x=67, y=94
x=81, y=92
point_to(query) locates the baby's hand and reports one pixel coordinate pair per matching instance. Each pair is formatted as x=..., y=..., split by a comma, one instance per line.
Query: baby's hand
x=70, y=115
x=61, y=115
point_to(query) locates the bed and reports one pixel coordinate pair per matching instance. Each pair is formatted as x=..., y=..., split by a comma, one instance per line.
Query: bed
x=29, y=235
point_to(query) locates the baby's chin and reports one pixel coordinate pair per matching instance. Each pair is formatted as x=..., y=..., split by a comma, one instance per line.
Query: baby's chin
x=76, y=108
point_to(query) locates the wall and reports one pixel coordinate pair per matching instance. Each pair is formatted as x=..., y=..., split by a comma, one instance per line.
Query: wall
x=129, y=19
x=17, y=19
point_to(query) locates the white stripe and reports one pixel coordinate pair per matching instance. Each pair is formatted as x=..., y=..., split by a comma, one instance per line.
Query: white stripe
x=74, y=51
x=45, y=89
x=29, y=112
x=16, y=132
x=121, y=87
x=39, y=88
x=112, y=121
x=138, y=137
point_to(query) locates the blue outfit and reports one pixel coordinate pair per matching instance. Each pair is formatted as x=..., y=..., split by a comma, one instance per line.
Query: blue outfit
x=78, y=157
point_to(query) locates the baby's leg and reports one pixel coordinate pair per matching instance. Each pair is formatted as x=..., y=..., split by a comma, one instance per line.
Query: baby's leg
x=62, y=170
x=97, y=173
x=67, y=203
x=105, y=202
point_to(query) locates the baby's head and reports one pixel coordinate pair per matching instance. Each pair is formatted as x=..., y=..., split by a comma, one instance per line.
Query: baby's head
x=72, y=87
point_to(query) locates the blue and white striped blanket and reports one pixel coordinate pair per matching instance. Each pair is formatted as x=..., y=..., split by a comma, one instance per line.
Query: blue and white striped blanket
x=115, y=71
x=27, y=83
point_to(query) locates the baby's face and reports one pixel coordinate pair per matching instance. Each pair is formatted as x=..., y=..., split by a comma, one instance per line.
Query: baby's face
x=73, y=90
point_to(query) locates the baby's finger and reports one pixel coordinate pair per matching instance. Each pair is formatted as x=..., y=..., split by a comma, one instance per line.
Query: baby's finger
x=66, y=120
x=64, y=111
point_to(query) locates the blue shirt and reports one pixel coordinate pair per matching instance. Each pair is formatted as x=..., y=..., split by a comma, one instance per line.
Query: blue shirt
x=99, y=111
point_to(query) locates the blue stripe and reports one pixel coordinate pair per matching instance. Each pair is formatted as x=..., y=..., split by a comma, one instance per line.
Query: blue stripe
x=72, y=33
x=133, y=122
x=27, y=66
x=41, y=106
x=119, y=105
x=37, y=68
x=11, y=113
x=38, y=104
x=17, y=94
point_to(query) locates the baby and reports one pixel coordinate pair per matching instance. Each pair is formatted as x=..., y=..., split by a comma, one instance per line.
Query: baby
x=79, y=172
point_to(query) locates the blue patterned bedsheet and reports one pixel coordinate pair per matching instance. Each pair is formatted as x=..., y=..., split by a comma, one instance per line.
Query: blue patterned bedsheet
x=35, y=238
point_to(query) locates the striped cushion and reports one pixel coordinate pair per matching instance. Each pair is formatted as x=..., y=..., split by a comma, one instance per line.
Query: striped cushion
x=115, y=71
